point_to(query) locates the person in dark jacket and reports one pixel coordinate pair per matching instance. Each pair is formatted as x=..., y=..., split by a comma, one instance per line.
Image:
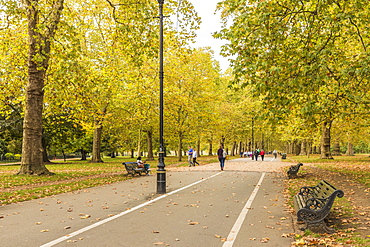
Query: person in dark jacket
x=221, y=154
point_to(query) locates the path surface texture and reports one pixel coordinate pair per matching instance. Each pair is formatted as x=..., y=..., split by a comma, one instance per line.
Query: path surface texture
x=240, y=206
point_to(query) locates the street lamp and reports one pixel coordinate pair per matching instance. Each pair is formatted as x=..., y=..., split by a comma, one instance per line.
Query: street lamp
x=161, y=172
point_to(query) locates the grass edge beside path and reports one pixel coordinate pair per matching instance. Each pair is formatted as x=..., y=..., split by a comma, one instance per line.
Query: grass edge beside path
x=72, y=175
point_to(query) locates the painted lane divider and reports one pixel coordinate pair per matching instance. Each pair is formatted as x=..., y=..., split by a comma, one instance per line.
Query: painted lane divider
x=75, y=233
x=238, y=223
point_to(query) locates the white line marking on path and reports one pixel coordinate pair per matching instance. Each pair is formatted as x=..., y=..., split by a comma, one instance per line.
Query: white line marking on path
x=238, y=223
x=61, y=239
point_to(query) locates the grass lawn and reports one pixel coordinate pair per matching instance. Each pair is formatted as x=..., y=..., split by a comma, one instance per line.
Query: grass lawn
x=72, y=175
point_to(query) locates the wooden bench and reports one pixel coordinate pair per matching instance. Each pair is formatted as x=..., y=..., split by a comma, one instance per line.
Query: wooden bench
x=313, y=205
x=293, y=170
x=132, y=169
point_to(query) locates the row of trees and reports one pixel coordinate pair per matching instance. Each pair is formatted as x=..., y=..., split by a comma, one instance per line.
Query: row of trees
x=89, y=78
x=309, y=63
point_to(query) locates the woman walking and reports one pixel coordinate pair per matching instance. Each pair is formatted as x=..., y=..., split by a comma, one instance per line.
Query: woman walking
x=221, y=154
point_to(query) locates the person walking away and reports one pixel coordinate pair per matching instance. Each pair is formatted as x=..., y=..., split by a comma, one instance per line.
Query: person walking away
x=274, y=153
x=256, y=153
x=262, y=153
x=195, y=156
x=190, y=156
x=221, y=157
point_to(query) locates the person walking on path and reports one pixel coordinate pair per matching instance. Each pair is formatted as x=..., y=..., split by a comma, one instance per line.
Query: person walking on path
x=256, y=153
x=221, y=154
x=262, y=153
x=275, y=154
x=190, y=156
x=195, y=156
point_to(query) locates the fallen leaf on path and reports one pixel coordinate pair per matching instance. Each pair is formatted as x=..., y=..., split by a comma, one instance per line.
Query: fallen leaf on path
x=85, y=216
x=264, y=240
x=217, y=236
x=159, y=243
x=193, y=223
x=38, y=223
x=155, y=231
x=45, y=230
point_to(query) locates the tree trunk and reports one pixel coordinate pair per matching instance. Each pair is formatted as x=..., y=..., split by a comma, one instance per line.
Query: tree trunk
x=150, y=144
x=45, y=158
x=233, y=148
x=98, y=129
x=198, y=147
x=83, y=154
x=180, y=146
x=139, y=144
x=325, y=140
x=337, y=149
x=210, y=153
x=38, y=61
x=303, y=148
x=350, y=151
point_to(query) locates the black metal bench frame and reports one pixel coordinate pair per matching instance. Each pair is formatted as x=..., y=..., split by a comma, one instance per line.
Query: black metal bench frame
x=293, y=170
x=132, y=169
x=313, y=205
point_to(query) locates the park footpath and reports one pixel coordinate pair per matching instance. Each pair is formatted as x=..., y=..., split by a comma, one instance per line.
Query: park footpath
x=241, y=206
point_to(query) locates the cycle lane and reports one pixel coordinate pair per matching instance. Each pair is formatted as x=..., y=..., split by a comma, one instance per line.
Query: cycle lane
x=217, y=202
x=200, y=215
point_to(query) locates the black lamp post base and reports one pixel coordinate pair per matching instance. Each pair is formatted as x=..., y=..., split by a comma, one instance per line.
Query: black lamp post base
x=161, y=182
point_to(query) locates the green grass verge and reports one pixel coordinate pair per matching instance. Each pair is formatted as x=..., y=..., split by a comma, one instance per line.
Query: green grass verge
x=72, y=175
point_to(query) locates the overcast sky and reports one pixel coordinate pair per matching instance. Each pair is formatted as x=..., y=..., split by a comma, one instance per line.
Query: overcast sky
x=210, y=24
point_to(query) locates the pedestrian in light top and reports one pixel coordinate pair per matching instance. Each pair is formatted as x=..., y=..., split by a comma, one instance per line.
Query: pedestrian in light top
x=195, y=156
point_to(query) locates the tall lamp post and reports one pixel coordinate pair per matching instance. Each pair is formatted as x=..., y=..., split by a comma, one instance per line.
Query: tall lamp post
x=161, y=172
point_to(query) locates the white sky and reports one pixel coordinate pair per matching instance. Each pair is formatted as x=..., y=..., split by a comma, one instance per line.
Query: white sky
x=210, y=23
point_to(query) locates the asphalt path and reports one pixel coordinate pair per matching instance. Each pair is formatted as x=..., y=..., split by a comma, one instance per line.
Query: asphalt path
x=240, y=206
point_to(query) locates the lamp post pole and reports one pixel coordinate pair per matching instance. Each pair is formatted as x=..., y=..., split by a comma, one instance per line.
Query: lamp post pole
x=161, y=172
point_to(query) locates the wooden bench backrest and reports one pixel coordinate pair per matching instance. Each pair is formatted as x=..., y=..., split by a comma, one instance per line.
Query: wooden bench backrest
x=323, y=189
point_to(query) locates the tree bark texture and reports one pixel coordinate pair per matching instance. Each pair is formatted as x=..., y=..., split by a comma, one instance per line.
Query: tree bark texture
x=98, y=129
x=337, y=149
x=210, y=148
x=38, y=61
x=180, y=145
x=303, y=148
x=325, y=140
x=350, y=151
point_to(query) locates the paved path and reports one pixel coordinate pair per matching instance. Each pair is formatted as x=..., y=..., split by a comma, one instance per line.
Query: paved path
x=241, y=206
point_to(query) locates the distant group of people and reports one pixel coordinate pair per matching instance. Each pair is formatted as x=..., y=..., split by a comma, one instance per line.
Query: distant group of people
x=222, y=155
x=255, y=154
